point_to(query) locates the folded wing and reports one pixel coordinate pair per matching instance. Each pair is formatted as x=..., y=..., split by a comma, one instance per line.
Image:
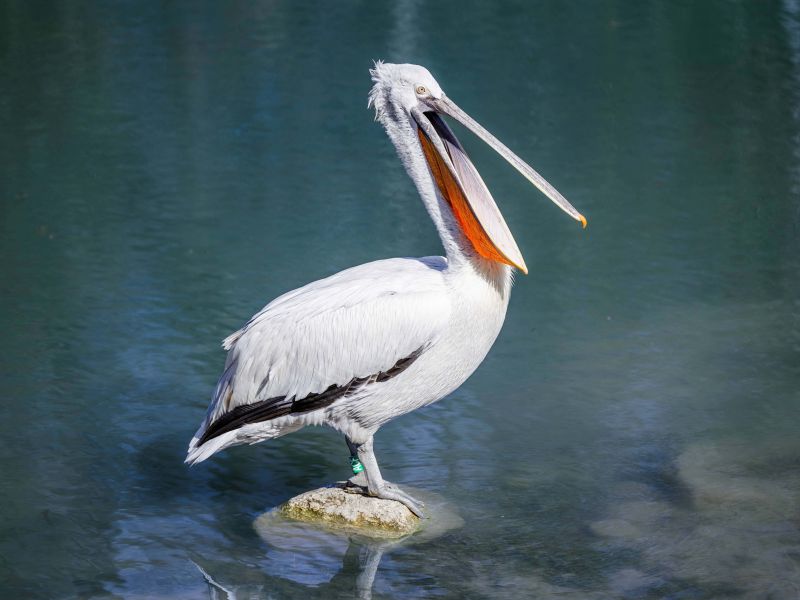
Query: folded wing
x=318, y=344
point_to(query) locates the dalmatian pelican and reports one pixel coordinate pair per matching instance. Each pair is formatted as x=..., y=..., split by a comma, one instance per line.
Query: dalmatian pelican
x=374, y=342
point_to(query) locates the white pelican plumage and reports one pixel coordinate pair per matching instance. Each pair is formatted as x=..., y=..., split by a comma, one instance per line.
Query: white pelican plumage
x=361, y=347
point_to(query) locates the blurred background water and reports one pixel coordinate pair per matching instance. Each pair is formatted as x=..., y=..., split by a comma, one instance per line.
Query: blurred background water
x=166, y=169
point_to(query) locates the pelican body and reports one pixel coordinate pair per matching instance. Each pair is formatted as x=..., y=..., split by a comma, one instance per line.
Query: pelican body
x=374, y=342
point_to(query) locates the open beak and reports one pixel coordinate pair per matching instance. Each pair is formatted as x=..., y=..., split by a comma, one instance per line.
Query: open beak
x=462, y=186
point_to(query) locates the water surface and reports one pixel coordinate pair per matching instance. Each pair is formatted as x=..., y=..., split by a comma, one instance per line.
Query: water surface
x=165, y=171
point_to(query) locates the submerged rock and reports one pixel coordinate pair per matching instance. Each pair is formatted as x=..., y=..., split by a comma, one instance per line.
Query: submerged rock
x=755, y=482
x=346, y=507
x=735, y=529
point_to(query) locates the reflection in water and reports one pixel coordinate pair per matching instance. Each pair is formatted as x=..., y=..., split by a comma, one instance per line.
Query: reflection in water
x=354, y=578
x=331, y=561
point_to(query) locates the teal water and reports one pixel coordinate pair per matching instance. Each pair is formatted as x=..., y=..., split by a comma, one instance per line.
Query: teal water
x=166, y=170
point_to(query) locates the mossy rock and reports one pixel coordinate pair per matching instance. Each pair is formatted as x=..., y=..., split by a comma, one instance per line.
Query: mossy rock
x=348, y=509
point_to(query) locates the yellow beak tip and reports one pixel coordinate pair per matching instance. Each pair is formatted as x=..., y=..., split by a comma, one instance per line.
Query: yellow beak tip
x=583, y=220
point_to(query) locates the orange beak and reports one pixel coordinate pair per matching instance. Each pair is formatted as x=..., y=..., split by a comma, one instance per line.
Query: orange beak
x=465, y=215
x=462, y=187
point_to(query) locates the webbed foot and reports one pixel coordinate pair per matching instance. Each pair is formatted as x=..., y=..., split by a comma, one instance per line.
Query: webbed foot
x=389, y=491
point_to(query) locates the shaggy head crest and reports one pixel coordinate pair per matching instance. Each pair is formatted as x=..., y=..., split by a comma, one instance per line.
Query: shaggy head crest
x=381, y=75
x=395, y=84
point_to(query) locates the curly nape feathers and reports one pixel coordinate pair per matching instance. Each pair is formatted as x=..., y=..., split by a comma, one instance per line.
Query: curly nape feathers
x=382, y=75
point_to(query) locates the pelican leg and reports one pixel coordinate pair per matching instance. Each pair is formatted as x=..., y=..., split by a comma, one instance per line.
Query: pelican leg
x=352, y=446
x=376, y=486
x=358, y=479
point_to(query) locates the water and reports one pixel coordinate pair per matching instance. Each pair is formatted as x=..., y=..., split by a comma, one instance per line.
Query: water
x=165, y=171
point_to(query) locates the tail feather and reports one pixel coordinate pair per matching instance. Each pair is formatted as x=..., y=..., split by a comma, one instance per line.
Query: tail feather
x=251, y=433
x=199, y=452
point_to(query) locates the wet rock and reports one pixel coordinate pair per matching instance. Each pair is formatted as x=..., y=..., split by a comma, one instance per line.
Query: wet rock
x=346, y=507
x=321, y=552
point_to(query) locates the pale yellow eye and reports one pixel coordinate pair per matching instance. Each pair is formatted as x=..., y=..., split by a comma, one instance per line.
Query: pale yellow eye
x=422, y=90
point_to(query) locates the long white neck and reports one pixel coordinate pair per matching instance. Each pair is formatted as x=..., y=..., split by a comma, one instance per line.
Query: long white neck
x=459, y=250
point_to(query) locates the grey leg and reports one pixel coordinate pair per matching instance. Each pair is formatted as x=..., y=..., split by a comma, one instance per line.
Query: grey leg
x=369, y=567
x=353, y=447
x=379, y=488
x=358, y=479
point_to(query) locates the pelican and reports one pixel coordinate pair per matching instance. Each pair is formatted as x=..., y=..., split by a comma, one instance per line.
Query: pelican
x=374, y=342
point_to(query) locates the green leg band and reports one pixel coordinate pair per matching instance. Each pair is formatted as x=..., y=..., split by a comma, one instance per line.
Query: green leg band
x=356, y=465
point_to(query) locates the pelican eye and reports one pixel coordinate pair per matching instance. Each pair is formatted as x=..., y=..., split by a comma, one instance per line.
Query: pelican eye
x=421, y=90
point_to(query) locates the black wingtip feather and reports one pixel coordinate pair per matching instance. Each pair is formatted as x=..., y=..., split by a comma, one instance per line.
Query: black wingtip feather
x=280, y=406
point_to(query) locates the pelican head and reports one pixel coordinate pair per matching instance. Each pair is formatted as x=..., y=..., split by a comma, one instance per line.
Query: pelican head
x=407, y=96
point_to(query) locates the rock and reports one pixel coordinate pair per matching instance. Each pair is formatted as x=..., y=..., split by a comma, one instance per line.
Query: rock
x=760, y=483
x=738, y=534
x=347, y=508
x=325, y=545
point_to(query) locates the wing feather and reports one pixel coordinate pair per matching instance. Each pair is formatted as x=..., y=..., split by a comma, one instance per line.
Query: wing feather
x=354, y=327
